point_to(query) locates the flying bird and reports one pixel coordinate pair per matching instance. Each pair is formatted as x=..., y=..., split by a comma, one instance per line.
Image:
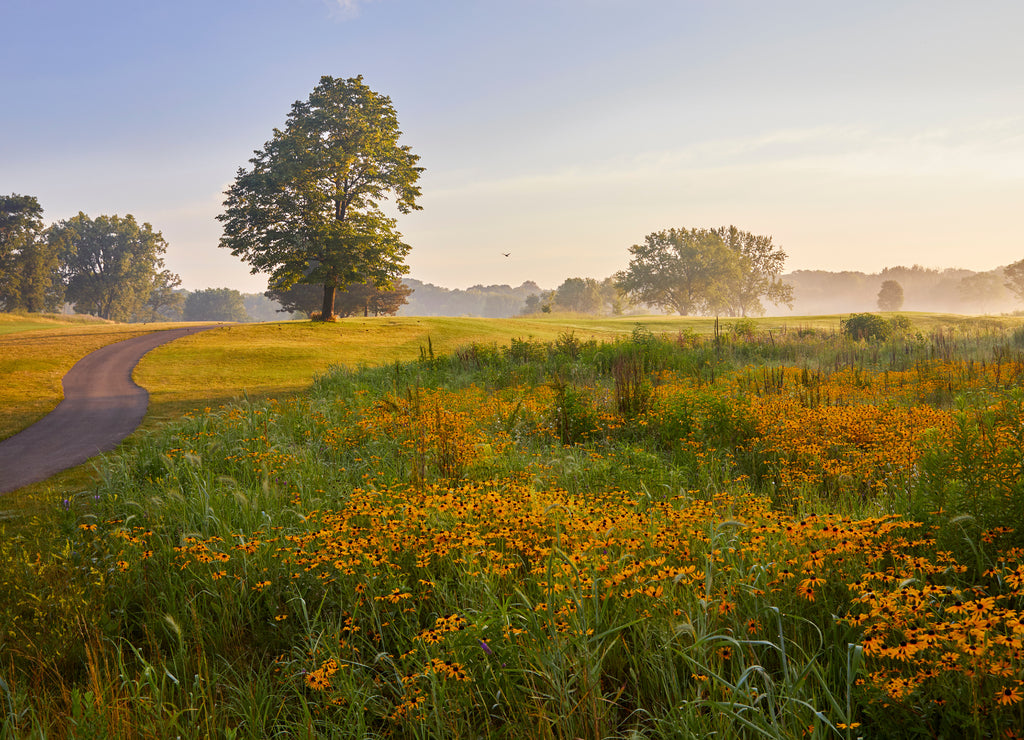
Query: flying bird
x=506, y=253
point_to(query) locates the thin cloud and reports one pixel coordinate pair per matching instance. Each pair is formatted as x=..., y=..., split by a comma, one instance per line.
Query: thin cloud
x=346, y=8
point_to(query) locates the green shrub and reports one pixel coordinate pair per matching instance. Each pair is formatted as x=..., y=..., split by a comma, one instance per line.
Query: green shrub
x=745, y=327
x=573, y=414
x=900, y=324
x=866, y=326
x=971, y=482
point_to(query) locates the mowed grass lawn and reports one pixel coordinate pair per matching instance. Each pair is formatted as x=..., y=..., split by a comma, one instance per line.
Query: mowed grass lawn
x=279, y=359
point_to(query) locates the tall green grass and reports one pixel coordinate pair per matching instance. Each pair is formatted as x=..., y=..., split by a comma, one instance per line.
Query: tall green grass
x=247, y=572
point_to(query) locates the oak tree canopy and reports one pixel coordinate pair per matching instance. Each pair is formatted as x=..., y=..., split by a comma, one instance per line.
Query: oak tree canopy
x=706, y=271
x=308, y=209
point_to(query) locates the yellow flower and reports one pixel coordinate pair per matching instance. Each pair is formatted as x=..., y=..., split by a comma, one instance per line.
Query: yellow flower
x=317, y=681
x=1009, y=695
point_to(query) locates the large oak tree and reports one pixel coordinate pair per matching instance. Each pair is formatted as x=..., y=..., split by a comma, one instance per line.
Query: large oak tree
x=308, y=210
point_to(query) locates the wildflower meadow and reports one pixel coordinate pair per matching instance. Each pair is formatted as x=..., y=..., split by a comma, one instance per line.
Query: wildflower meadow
x=788, y=534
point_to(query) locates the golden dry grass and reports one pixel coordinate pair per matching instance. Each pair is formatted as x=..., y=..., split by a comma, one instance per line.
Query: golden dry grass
x=33, y=362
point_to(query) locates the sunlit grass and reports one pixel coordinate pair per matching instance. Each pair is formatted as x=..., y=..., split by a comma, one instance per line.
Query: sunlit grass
x=279, y=359
x=25, y=321
x=33, y=361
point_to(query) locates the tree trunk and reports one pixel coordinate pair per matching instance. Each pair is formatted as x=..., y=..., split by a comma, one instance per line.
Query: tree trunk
x=327, y=311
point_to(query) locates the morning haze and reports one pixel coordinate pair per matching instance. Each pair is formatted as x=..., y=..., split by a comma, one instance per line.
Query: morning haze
x=860, y=136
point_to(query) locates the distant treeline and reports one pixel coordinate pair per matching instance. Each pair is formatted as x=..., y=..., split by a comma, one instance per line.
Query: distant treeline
x=924, y=289
x=814, y=292
x=223, y=304
x=488, y=301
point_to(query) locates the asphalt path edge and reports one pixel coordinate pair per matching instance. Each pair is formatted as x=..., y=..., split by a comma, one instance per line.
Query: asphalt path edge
x=102, y=405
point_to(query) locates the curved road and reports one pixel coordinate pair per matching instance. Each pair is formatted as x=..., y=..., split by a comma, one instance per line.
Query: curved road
x=102, y=405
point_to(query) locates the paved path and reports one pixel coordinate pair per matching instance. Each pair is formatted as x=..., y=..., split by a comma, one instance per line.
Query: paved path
x=102, y=405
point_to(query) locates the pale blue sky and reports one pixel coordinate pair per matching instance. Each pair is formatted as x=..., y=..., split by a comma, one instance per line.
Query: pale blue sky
x=858, y=134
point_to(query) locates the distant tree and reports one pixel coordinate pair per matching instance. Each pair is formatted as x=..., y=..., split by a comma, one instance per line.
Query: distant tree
x=308, y=209
x=29, y=262
x=760, y=265
x=982, y=290
x=389, y=302
x=215, y=304
x=111, y=265
x=613, y=298
x=688, y=271
x=531, y=304
x=890, y=296
x=300, y=298
x=366, y=299
x=582, y=295
x=261, y=308
x=166, y=301
x=1013, y=275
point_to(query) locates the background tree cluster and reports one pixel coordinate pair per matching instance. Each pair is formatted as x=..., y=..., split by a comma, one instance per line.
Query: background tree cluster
x=357, y=299
x=721, y=271
x=110, y=266
x=950, y=290
x=489, y=301
x=579, y=295
x=215, y=304
x=226, y=304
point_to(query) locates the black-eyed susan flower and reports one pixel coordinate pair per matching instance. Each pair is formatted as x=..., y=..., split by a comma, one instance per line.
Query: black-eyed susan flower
x=1009, y=694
